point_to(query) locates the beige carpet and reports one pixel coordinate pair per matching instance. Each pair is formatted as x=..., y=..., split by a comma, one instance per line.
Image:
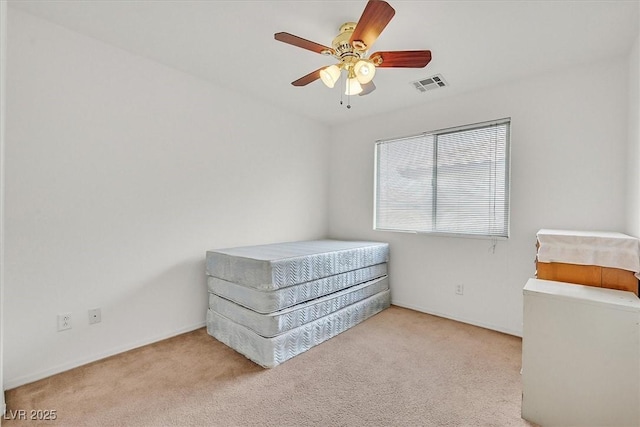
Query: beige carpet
x=400, y=368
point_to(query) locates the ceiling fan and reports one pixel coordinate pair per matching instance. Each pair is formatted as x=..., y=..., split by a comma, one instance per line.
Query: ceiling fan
x=350, y=48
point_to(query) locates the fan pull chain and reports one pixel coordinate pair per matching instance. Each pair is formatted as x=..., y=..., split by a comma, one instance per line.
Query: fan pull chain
x=339, y=86
x=348, y=85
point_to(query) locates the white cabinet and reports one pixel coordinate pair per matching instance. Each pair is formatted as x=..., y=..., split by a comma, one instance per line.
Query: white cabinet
x=580, y=355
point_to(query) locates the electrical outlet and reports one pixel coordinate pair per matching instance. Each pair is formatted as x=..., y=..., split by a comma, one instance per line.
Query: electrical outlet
x=64, y=321
x=95, y=316
x=459, y=289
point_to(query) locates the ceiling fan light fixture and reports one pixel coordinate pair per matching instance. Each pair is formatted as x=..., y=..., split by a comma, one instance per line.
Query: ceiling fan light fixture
x=330, y=75
x=353, y=87
x=364, y=70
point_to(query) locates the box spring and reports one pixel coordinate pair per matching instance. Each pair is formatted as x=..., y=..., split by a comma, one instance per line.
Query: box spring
x=272, y=324
x=274, y=266
x=279, y=299
x=269, y=352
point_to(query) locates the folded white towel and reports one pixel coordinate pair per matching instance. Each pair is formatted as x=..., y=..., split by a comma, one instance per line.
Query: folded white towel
x=605, y=249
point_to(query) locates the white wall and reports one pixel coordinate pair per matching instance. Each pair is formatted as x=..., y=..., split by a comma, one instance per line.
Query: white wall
x=121, y=173
x=568, y=147
x=633, y=159
x=3, y=62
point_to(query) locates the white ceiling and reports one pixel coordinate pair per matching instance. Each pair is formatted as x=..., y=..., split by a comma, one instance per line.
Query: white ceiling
x=474, y=43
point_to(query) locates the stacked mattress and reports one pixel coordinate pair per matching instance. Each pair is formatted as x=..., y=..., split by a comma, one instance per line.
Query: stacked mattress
x=273, y=302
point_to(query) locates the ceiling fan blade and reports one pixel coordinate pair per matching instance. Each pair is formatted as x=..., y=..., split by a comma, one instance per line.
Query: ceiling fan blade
x=374, y=19
x=300, y=42
x=309, y=78
x=367, y=88
x=402, y=58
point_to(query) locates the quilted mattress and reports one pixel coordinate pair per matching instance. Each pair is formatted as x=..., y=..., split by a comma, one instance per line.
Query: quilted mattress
x=269, y=352
x=275, y=266
x=269, y=325
x=279, y=299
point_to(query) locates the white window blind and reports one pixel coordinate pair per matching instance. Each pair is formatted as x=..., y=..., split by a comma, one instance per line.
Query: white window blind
x=453, y=181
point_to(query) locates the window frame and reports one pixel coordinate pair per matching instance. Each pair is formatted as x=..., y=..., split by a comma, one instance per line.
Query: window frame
x=435, y=134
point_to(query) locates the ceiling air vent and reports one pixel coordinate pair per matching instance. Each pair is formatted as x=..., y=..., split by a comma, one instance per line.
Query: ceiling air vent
x=430, y=83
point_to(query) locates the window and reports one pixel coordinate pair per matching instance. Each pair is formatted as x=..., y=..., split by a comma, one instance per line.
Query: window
x=452, y=181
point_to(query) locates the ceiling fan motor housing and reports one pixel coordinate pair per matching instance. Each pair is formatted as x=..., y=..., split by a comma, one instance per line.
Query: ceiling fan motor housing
x=342, y=46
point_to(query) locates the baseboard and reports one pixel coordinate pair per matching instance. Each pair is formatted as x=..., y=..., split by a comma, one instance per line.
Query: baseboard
x=458, y=319
x=11, y=383
x=17, y=382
